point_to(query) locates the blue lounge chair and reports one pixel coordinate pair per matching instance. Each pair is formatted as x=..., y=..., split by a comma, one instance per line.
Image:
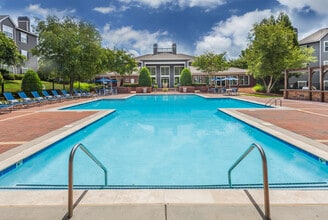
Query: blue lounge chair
x=66, y=94
x=11, y=100
x=80, y=93
x=50, y=97
x=40, y=98
x=27, y=99
x=55, y=94
x=5, y=108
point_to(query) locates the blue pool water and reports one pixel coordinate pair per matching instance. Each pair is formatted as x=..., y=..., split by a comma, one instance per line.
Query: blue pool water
x=169, y=141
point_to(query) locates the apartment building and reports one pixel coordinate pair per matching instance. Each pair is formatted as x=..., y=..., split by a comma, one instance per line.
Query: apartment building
x=24, y=39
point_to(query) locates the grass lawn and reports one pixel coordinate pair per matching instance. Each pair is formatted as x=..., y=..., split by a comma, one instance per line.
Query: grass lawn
x=263, y=95
x=15, y=85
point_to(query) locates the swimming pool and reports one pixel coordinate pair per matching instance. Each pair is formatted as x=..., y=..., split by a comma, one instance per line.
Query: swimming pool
x=179, y=141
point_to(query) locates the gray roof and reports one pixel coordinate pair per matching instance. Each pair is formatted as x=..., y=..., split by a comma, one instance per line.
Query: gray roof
x=315, y=37
x=164, y=56
x=3, y=16
x=229, y=71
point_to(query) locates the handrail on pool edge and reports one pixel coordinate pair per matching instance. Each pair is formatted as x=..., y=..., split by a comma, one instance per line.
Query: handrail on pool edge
x=70, y=173
x=265, y=175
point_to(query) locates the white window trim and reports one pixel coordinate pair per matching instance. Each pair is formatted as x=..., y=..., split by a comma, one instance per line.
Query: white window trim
x=8, y=30
x=167, y=75
x=325, y=62
x=23, y=39
x=324, y=46
x=24, y=53
x=180, y=70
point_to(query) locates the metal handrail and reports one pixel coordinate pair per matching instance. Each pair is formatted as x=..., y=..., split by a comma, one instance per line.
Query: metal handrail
x=70, y=173
x=265, y=175
x=270, y=102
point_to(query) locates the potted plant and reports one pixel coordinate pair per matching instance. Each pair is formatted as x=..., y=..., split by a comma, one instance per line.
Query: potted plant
x=144, y=79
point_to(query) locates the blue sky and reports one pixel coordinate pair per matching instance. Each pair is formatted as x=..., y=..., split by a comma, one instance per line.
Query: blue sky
x=197, y=26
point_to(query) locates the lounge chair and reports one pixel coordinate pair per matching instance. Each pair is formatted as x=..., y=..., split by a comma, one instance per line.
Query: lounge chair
x=5, y=108
x=37, y=96
x=27, y=99
x=66, y=94
x=50, y=97
x=55, y=93
x=81, y=93
x=11, y=100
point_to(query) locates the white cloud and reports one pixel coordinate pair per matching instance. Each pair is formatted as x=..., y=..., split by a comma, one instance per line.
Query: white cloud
x=36, y=9
x=138, y=42
x=105, y=10
x=180, y=3
x=230, y=35
x=319, y=6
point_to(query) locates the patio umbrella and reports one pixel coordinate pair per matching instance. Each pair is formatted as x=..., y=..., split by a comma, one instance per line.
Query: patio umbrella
x=103, y=80
x=230, y=78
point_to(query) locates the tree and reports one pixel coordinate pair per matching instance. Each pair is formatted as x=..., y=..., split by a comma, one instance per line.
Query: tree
x=31, y=82
x=211, y=63
x=185, y=77
x=74, y=47
x=144, y=77
x=272, y=49
x=119, y=61
x=9, y=53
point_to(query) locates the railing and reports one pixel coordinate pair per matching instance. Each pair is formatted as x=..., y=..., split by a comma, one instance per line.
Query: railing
x=265, y=175
x=70, y=173
x=275, y=101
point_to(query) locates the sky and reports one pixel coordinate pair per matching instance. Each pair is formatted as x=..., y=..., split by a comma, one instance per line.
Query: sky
x=196, y=26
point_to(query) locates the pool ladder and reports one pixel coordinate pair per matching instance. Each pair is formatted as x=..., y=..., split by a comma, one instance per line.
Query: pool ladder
x=70, y=173
x=265, y=175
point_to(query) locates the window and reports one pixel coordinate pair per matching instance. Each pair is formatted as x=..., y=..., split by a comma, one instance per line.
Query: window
x=325, y=62
x=23, y=37
x=177, y=70
x=165, y=70
x=8, y=31
x=301, y=84
x=24, y=53
x=325, y=84
x=243, y=80
x=152, y=70
x=325, y=46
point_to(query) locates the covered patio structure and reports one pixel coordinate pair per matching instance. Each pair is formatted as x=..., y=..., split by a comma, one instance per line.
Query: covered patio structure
x=309, y=83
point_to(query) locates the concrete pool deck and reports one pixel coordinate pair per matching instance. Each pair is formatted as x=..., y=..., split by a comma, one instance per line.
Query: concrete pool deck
x=302, y=121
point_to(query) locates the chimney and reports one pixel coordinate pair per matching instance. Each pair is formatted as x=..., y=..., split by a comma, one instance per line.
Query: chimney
x=155, y=49
x=24, y=23
x=174, y=48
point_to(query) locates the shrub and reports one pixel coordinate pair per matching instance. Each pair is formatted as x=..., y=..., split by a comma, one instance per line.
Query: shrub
x=185, y=78
x=31, y=82
x=19, y=76
x=259, y=88
x=144, y=77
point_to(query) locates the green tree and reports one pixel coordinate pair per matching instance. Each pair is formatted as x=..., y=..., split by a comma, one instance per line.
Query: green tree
x=9, y=53
x=185, y=77
x=211, y=63
x=31, y=82
x=144, y=77
x=74, y=47
x=119, y=61
x=272, y=49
